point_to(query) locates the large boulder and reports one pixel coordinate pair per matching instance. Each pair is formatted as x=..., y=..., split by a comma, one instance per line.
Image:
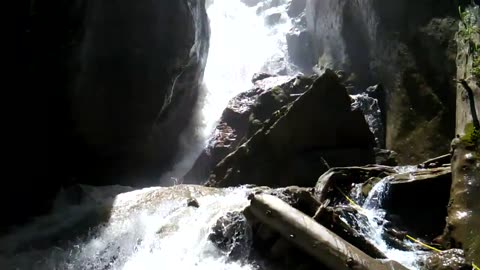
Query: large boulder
x=104, y=89
x=406, y=45
x=300, y=141
x=244, y=115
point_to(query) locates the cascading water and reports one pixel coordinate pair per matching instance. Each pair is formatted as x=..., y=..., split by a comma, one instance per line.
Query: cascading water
x=372, y=222
x=146, y=229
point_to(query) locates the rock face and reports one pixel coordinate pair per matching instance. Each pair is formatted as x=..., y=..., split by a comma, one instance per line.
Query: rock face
x=138, y=84
x=296, y=7
x=121, y=78
x=295, y=145
x=299, y=39
x=409, y=47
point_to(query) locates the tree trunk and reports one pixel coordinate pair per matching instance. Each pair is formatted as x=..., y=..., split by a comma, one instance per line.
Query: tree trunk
x=463, y=222
x=316, y=240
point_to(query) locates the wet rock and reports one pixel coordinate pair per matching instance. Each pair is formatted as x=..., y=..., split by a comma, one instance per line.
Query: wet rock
x=192, y=202
x=373, y=115
x=452, y=259
x=420, y=199
x=232, y=234
x=385, y=157
x=300, y=198
x=368, y=185
x=265, y=5
x=245, y=114
x=291, y=146
x=331, y=182
x=296, y=7
x=378, y=92
x=273, y=19
x=395, y=238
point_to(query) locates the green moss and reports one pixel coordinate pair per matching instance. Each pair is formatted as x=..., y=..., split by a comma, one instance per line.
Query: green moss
x=472, y=135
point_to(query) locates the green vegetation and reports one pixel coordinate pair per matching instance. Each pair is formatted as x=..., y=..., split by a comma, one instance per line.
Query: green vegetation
x=468, y=31
x=472, y=135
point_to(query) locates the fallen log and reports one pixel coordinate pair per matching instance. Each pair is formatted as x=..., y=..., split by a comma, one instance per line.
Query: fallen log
x=313, y=238
x=330, y=217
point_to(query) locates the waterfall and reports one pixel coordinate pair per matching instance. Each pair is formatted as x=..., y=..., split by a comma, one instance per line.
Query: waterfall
x=242, y=42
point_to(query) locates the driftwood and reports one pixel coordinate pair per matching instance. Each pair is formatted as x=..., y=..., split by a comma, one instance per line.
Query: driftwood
x=313, y=238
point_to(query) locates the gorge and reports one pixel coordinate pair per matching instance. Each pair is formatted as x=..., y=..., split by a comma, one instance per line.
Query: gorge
x=244, y=134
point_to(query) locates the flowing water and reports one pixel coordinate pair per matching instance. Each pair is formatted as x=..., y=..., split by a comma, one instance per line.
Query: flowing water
x=372, y=222
x=145, y=229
